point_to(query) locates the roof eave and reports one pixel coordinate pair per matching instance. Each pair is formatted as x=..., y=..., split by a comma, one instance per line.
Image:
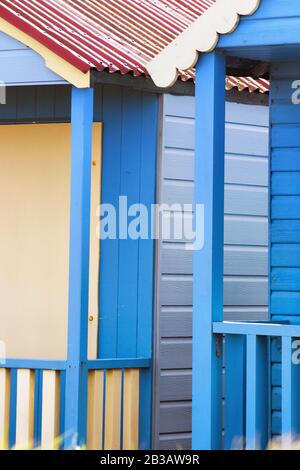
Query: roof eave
x=201, y=36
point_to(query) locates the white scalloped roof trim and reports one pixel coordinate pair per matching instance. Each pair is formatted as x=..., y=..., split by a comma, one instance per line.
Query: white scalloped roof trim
x=201, y=36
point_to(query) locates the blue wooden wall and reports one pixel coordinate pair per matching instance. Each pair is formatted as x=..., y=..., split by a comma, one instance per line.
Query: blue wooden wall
x=129, y=168
x=127, y=266
x=262, y=35
x=285, y=212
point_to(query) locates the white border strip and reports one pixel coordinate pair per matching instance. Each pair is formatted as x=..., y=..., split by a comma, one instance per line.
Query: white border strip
x=201, y=36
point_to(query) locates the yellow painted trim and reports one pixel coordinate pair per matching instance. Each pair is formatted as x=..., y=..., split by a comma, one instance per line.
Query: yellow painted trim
x=93, y=324
x=113, y=409
x=55, y=63
x=25, y=409
x=50, y=410
x=95, y=410
x=131, y=409
x=4, y=407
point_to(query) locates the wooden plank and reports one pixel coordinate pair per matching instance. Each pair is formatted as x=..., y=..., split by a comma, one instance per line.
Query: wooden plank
x=285, y=279
x=81, y=163
x=257, y=418
x=285, y=231
x=4, y=408
x=285, y=303
x=50, y=410
x=113, y=410
x=284, y=255
x=109, y=263
x=95, y=410
x=176, y=417
x=208, y=262
x=234, y=413
x=25, y=409
x=286, y=398
x=290, y=393
x=96, y=178
x=131, y=410
x=128, y=276
x=286, y=183
x=286, y=159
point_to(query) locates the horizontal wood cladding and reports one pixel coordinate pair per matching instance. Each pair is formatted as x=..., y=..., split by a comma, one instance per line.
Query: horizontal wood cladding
x=245, y=251
x=285, y=208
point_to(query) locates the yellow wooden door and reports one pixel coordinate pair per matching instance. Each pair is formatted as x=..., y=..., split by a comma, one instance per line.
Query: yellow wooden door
x=34, y=239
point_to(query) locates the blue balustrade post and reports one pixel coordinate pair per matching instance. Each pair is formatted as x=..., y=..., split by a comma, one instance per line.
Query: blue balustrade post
x=208, y=261
x=76, y=371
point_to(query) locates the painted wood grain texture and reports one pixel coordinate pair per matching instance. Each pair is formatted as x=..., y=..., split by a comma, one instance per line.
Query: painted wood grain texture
x=285, y=233
x=131, y=409
x=4, y=408
x=113, y=410
x=50, y=410
x=95, y=410
x=25, y=409
x=130, y=145
x=245, y=253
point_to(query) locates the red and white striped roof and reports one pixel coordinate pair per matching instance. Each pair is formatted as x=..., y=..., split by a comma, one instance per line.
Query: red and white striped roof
x=114, y=35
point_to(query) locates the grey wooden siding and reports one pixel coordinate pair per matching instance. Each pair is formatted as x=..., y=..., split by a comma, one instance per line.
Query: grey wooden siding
x=245, y=252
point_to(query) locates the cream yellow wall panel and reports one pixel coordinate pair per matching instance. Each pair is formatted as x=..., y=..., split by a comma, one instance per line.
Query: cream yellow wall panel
x=4, y=407
x=95, y=243
x=95, y=410
x=50, y=410
x=34, y=240
x=113, y=409
x=25, y=409
x=131, y=410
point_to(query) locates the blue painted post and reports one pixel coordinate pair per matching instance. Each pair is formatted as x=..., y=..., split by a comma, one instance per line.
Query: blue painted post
x=235, y=382
x=208, y=262
x=76, y=372
x=257, y=387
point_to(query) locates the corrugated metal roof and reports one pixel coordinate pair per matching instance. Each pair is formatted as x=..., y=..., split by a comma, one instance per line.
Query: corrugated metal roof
x=114, y=35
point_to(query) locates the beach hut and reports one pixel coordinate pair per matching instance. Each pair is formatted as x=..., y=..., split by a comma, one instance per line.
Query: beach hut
x=80, y=125
x=261, y=359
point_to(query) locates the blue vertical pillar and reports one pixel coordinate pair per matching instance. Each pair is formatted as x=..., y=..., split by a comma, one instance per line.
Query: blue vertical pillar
x=208, y=262
x=76, y=373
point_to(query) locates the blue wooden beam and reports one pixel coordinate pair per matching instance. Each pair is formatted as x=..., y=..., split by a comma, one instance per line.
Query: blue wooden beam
x=258, y=329
x=103, y=364
x=208, y=262
x=76, y=372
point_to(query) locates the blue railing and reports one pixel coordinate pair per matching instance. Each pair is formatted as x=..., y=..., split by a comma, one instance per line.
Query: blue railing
x=248, y=382
x=33, y=399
